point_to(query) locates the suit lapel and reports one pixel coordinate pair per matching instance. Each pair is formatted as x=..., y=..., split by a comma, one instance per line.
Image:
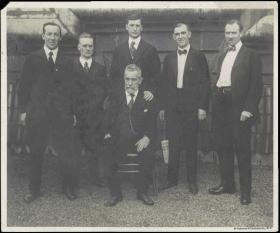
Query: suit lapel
x=140, y=50
x=188, y=64
x=174, y=64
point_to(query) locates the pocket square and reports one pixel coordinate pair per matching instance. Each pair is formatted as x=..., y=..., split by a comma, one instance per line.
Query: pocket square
x=146, y=110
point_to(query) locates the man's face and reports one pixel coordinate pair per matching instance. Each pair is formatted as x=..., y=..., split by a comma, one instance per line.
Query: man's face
x=132, y=81
x=181, y=35
x=85, y=47
x=232, y=34
x=51, y=36
x=134, y=28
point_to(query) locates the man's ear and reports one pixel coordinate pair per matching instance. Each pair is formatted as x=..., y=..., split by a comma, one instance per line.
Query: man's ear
x=126, y=27
x=173, y=36
x=190, y=35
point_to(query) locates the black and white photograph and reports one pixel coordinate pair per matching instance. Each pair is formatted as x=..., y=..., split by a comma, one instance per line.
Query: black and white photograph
x=139, y=116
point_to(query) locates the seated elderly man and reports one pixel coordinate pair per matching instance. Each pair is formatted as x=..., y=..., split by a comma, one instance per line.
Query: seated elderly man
x=130, y=125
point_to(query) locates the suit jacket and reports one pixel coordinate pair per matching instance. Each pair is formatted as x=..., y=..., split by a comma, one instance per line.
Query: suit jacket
x=143, y=117
x=246, y=80
x=146, y=58
x=196, y=83
x=91, y=89
x=42, y=91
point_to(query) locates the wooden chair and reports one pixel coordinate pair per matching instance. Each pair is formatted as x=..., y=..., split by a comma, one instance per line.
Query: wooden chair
x=129, y=165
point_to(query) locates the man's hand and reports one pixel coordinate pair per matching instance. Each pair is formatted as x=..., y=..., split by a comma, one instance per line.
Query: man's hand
x=161, y=115
x=142, y=143
x=22, y=118
x=201, y=114
x=148, y=96
x=245, y=115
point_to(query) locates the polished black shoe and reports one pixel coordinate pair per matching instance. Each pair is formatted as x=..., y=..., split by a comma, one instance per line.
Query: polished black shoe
x=30, y=197
x=113, y=201
x=145, y=199
x=167, y=185
x=193, y=188
x=221, y=190
x=70, y=194
x=245, y=199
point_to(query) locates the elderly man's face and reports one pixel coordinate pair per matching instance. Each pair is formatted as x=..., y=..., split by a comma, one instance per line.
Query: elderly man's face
x=132, y=81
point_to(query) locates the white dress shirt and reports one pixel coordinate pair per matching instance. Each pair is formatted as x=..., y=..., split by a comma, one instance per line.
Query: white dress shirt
x=128, y=97
x=136, y=41
x=181, y=65
x=54, y=51
x=225, y=75
x=83, y=60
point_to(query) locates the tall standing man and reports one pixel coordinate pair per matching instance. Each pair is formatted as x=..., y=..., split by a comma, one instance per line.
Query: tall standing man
x=184, y=99
x=91, y=90
x=46, y=102
x=136, y=51
x=236, y=96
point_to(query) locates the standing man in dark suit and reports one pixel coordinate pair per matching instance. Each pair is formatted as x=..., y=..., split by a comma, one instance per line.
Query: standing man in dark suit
x=184, y=99
x=46, y=99
x=236, y=95
x=137, y=51
x=130, y=129
x=91, y=89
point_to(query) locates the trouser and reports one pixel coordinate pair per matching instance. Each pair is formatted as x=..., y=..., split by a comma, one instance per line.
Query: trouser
x=38, y=132
x=232, y=137
x=182, y=130
x=146, y=161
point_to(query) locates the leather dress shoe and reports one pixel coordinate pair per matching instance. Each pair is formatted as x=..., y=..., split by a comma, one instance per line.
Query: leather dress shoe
x=245, y=199
x=145, y=199
x=113, y=201
x=220, y=190
x=167, y=185
x=193, y=188
x=30, y=197
x=70, y=194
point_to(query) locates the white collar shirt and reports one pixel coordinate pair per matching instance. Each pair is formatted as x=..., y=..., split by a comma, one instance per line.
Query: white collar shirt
x=181, y=65
x=136, y=41
x=128, y=96
x=54, y=51
x=228, y=62
x=84, y=60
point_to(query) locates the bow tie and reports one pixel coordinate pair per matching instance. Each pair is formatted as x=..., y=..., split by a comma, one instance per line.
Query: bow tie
x=231, y=48
x=182, y=51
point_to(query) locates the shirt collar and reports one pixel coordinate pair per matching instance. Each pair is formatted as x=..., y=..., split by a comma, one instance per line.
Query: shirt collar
x=47, y=50
x=83, y=60
x=128, y=95
x=187, y=48
x=137, y=41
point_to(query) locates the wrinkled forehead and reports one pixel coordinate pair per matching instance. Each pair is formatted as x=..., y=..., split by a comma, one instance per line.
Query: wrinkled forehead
x=181, y=28
x=131, y=74
x=52, y=28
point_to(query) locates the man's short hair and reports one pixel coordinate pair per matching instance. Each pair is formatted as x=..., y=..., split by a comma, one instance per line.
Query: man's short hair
x=85, y=35
x=132, y=68
x=233, y=21
x=182, y=24
x=51, y=24
x=134, y=16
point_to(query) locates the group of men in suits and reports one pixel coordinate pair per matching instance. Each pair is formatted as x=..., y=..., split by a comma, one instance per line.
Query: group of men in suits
x=81, y=108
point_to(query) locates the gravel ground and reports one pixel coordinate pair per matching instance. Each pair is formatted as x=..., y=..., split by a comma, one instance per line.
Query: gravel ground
x=173, y=208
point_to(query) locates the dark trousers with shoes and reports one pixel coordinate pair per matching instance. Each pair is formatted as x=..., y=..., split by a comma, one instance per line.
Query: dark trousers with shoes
x=182, y=129
x=61, y=131
x=232, y=137
x=145, y=159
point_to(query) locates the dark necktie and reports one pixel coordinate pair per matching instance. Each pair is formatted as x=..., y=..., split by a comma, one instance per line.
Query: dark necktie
x=132, y=49
x=231, y=48
x=131, y=102
x=51, y=62
x=182, y=51
x=86, y=68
